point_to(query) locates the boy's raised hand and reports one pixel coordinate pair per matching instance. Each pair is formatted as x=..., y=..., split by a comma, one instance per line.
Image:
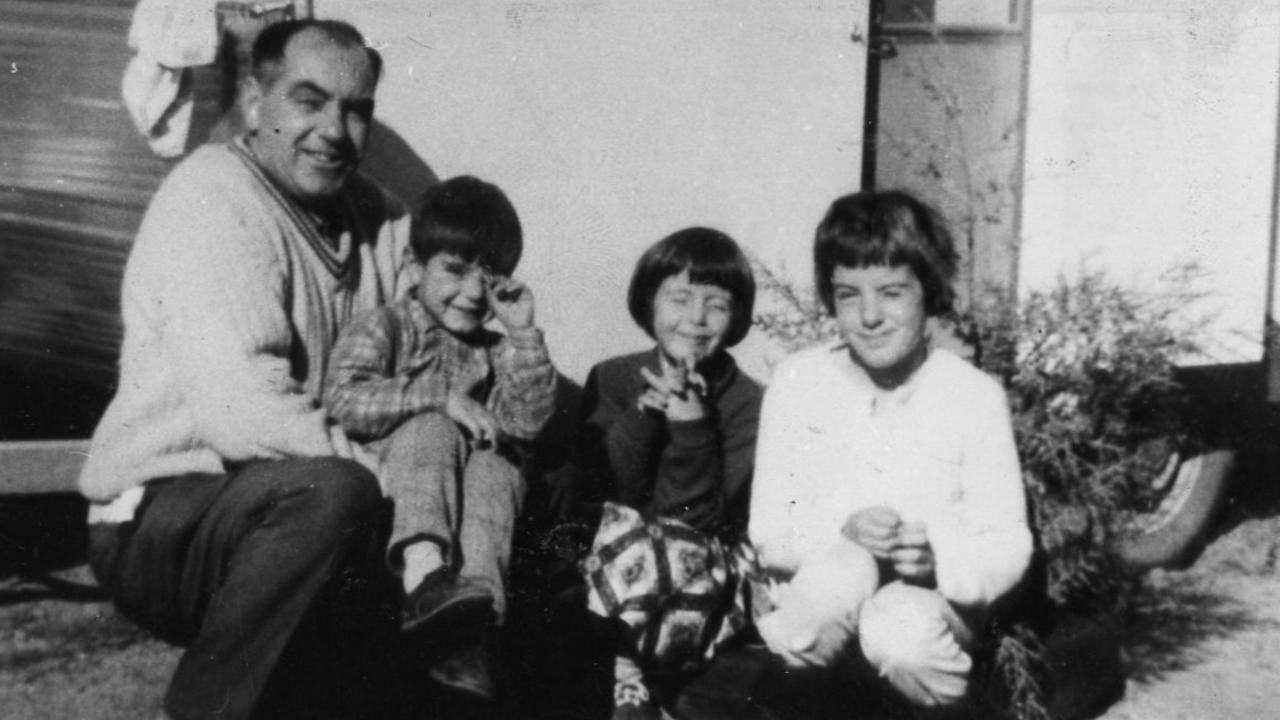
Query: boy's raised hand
x=511, y=302
x=474, y=417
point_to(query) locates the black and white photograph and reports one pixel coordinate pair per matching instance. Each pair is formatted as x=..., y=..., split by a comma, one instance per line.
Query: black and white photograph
x=664, y=360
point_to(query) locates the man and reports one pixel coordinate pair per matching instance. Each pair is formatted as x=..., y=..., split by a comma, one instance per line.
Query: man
x=227, y=515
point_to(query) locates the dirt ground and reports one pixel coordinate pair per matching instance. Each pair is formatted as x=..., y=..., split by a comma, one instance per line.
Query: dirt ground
x=1204, y=642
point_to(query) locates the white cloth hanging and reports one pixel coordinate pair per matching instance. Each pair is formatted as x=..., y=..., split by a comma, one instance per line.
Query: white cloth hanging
x=168, y=38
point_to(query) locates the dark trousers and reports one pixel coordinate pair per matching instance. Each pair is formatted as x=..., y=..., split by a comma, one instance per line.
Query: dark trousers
x=272, y=578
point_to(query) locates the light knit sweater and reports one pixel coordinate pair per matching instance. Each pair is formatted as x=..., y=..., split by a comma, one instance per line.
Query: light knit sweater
x=938, y=450
x=232, y=298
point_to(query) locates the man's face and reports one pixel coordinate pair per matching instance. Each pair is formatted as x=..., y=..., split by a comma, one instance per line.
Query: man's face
x=310, y=119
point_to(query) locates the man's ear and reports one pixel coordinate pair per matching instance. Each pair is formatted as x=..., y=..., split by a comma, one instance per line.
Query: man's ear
x=250, y=102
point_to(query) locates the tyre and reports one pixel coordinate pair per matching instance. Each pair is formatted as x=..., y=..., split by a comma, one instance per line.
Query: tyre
x=1192, y=488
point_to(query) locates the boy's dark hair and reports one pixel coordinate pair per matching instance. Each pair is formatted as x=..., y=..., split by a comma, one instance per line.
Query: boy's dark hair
x=270, y=45
x=712, y=258
x=887, y=227
x=470, y=218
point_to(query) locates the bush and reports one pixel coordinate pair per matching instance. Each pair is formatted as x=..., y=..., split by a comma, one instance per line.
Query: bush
x=1089, y=368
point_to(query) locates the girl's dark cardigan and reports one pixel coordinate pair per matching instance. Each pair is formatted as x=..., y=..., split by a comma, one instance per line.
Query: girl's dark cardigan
x=696, y=471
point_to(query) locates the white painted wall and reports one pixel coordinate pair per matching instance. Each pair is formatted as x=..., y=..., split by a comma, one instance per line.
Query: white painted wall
x=1151, y=139
x=611, y=124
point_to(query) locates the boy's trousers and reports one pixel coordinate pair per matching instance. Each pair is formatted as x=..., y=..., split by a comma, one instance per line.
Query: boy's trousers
x=464, y=498
x=271, y=577
x=912, y=636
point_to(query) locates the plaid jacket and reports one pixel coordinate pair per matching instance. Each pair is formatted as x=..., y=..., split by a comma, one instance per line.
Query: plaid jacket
x=397, y=361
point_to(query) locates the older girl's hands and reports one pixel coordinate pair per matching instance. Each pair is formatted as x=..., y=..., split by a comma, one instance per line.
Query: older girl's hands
x=912, y=556
x=874, y=528
x=904, y=546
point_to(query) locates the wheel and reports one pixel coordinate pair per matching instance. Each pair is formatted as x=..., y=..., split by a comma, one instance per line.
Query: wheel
x=1192, y=487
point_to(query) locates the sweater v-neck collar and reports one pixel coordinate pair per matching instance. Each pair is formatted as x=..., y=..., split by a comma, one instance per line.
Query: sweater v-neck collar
x=337, y=260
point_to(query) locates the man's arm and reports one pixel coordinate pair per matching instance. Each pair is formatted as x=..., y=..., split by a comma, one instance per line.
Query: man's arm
x=212, y=284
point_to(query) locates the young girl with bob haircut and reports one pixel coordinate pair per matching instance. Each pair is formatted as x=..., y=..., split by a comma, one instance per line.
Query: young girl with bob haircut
x=670, y=434
x=888, y=501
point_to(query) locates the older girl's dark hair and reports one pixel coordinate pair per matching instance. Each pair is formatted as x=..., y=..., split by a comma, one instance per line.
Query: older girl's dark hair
x=887, y=227
x=712, y=258
x=470, y=218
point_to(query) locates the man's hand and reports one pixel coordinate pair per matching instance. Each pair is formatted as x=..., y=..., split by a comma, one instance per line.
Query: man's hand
x=874, y=528
x=342, y=446
x=477, y=419
x=511, y=302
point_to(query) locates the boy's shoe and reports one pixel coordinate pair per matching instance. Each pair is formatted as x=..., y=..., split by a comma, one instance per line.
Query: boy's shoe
x=631, y=702
x=443, y=595
x=467, y=662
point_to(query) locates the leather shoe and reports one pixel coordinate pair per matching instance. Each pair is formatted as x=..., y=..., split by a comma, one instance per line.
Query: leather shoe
x=467, y=665
x=443, y=595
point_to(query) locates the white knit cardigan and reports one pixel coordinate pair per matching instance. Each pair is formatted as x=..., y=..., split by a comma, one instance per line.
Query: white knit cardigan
x=939, y=451
x=231, y=302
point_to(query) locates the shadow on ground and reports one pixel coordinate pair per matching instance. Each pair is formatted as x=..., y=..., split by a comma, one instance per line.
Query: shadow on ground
x=52, y=634
x=1174, y=618
x=1177, y=614
x=72, y=658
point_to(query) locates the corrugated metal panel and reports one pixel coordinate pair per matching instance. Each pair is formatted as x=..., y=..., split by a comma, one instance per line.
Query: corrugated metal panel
x=74, y=179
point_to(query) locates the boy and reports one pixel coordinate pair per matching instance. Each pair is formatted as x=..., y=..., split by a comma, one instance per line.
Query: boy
x=444, y=404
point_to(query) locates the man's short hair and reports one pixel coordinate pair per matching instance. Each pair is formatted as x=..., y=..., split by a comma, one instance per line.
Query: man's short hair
x=470, y=218
x=887, y=227
x=712, y=258
x=270, y=45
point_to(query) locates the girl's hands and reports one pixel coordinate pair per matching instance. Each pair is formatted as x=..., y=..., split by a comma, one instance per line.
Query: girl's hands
x=904, y=546
x=874, y=528
x=511, y=302
x=678, y=393
x=912, y=558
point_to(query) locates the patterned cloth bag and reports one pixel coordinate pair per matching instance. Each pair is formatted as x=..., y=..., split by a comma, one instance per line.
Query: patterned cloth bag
x=677, y=591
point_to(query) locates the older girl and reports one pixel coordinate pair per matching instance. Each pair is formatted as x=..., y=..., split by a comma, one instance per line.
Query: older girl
x=888, y=501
